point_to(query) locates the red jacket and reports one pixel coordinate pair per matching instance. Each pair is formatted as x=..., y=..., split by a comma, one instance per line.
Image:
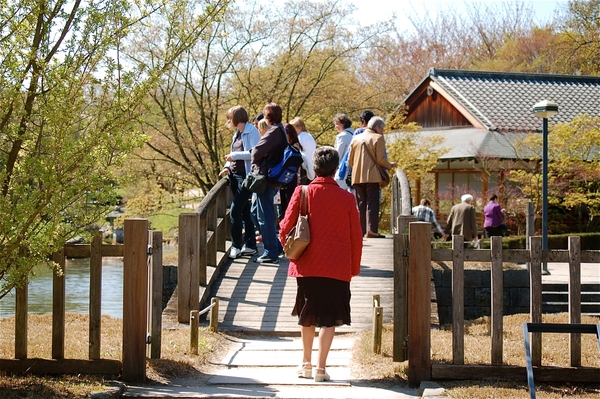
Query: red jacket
x=335, y=247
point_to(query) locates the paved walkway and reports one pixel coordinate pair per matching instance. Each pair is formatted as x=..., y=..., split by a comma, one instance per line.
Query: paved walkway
x=559, y=273
x=265, y=367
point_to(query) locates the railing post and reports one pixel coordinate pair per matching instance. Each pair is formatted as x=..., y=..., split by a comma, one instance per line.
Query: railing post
x=211, y=225
x=135, y=296
x=194, y=324
x=377, y=324
x=401, y=254
x=188, y=266
x=419, y=301
x=214, y=315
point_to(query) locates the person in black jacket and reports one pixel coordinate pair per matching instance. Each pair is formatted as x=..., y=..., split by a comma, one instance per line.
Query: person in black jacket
x=267, y=153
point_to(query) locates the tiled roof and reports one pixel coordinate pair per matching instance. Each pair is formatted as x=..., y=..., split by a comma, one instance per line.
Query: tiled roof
x=464, y=143
x=504, y=101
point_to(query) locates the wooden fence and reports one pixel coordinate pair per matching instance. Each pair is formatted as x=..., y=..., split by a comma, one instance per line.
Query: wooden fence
x=142, y=307
x=414, y=287
x=202, y=248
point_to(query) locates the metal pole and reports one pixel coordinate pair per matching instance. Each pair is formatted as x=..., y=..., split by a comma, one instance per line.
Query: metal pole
x=545, y=193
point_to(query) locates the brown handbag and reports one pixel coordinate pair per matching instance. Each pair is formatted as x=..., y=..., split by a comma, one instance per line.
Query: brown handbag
x=385, y=176
x=298, y=238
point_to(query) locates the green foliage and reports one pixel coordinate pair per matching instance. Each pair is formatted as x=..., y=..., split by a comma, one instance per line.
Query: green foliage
x=67, y=118
x=573, y=169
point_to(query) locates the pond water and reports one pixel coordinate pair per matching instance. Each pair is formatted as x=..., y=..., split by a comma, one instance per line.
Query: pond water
x=77, y=289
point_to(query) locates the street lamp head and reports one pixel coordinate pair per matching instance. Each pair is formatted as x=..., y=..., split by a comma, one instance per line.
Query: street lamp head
x=545, y=109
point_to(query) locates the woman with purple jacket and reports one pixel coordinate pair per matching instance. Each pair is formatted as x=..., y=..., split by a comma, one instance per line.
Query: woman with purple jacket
x=493, y=218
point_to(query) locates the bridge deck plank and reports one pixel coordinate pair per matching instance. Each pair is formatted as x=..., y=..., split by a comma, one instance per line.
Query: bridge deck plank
x=259, y=298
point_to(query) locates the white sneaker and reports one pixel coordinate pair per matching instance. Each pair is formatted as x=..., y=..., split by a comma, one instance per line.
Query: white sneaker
x=234, y=253
x=248, y=252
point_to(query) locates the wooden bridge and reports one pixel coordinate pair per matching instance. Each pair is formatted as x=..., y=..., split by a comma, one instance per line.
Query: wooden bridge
x=260, y=297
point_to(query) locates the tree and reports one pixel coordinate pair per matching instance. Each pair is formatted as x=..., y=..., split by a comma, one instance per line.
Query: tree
x=300, y=57
x=573, y=170
x=579, y=49
x=67, y=108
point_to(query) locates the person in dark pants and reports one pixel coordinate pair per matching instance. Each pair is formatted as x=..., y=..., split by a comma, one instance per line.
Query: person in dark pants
x=267, y=153
x=493, y=216
x=236, y=168
x=365, y=175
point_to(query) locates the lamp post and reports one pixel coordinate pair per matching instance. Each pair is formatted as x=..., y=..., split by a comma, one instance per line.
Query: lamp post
x=545, y=109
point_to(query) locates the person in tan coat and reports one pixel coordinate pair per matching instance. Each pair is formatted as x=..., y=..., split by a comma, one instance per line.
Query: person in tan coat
x=462, y=220
x=365, y=176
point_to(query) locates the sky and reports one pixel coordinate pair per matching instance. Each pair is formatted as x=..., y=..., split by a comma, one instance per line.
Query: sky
x=370, y=11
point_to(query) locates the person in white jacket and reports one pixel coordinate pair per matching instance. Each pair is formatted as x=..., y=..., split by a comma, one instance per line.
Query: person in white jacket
x=343, y=124
x=309, y=145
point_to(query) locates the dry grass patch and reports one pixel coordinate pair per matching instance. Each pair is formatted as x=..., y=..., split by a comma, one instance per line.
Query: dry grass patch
x=176, y=361
x=555, y=352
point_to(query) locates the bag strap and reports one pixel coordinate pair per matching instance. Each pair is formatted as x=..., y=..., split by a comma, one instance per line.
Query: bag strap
x=370, y=155
x=304, y=201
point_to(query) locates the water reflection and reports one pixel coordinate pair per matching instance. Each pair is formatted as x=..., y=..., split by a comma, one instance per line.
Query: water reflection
x=77, y=289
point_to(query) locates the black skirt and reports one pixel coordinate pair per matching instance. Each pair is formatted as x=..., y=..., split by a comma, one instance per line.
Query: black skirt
x=322, y=302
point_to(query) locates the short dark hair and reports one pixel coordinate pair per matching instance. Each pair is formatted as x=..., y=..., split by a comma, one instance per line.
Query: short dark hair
x=325, y=161
x=494, y=197
x=425, y=202
x=343, y=119
x=366, y=115
x=273, y=113
x=258, y=117
x=237, y=115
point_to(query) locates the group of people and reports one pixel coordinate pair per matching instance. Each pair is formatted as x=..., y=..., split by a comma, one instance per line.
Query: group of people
x=340, y=214
x=462, y=219
x=362, y=152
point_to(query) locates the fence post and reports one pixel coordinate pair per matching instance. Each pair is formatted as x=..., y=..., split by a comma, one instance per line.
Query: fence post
x=188, y=266
x=575, y=298
x=135, y=296
x=21, y=315
x=156, y=289
x=419, y=302
x=377, y=324
x=58, y=306
x=194, y=324
x=458, y=300
x=497, y=312
x=214, y=315
x=535, y=304
x=95, y=295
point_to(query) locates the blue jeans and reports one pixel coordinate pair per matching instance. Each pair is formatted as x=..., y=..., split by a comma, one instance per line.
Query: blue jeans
x=239, y=214
x=265, y=213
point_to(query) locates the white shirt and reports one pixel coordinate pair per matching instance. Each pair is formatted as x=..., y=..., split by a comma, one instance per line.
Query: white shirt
x=309, y=145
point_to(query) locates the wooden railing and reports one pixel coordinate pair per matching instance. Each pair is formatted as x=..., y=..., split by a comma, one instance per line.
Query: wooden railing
x=203, y=237
x=141, y=313
x=418, y=305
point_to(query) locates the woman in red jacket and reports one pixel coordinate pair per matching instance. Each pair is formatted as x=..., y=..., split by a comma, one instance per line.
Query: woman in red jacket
x=324, y=270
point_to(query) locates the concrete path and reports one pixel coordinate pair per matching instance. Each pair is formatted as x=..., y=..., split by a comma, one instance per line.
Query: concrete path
x=265, y=367
x=559, y=273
